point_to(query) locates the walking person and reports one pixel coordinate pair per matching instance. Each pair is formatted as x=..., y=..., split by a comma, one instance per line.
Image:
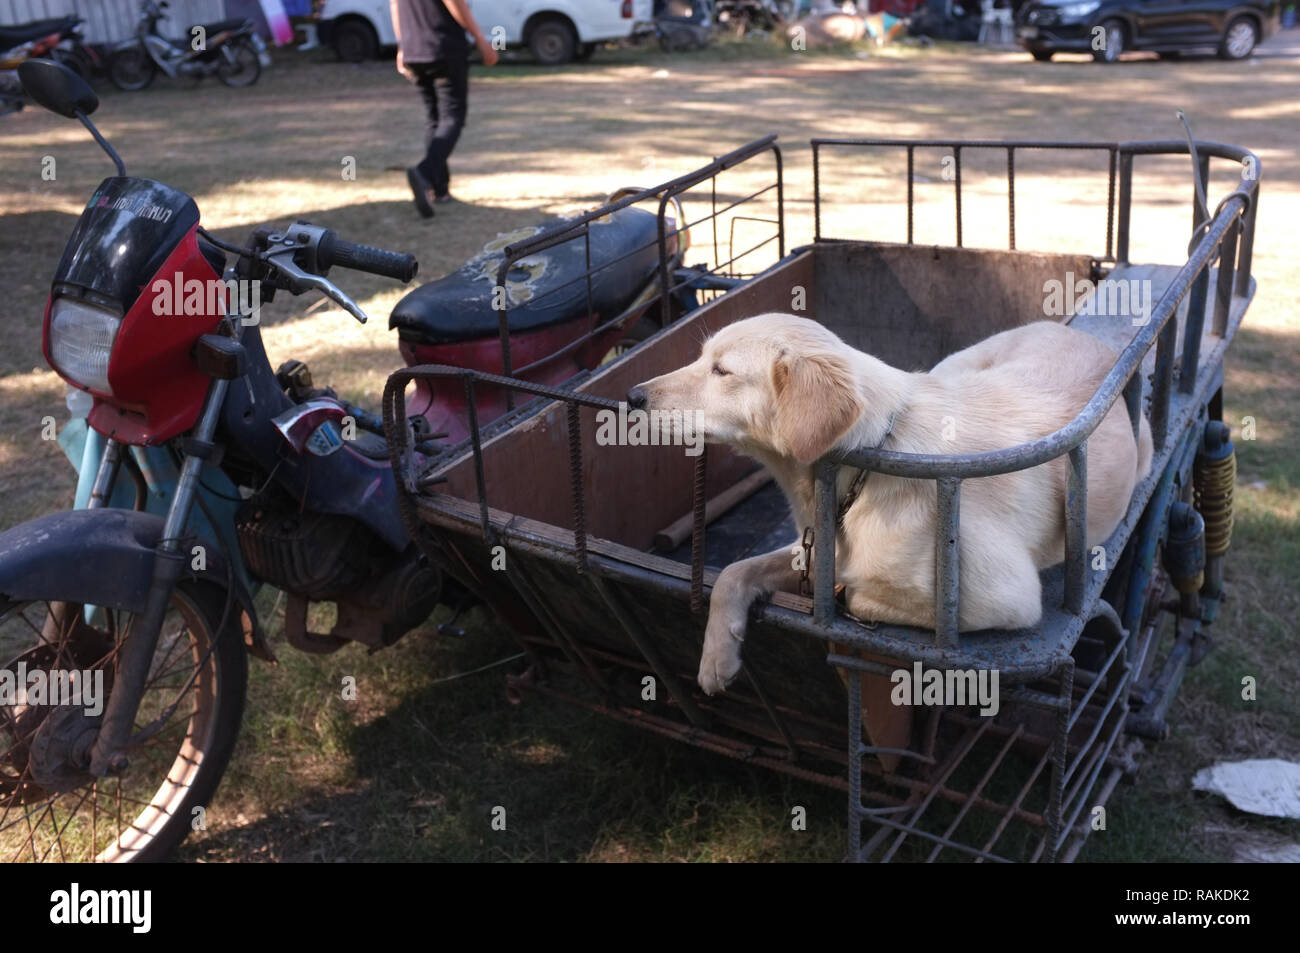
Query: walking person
x=433, y=53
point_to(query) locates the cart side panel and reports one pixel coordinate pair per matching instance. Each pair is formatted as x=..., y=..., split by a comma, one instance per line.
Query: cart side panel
x=912, y=306
x=631, y=492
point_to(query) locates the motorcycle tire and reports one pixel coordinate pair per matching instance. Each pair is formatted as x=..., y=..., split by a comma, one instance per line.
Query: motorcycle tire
x=245, y=69
x=131, y=69
x=193, y=702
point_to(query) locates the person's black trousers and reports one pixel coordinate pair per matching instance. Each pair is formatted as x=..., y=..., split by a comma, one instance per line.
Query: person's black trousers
x=445, y=88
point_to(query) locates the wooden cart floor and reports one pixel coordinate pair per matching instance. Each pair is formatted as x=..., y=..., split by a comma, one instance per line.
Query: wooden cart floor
x=759, y=524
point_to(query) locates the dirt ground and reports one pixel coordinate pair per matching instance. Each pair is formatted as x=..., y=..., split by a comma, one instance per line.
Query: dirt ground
x=313, y=781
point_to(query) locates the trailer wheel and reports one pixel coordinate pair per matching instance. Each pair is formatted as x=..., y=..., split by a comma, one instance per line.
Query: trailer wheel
x=1042, y=56
x=552, y=42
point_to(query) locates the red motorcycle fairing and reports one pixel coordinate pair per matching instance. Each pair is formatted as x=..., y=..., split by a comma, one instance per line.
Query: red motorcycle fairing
x=158, y=391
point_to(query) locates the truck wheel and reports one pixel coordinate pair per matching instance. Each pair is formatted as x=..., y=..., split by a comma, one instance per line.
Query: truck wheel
x=1116, y=36
x=552, y=42
x=185, y=729
x=1042, y=56
x=355, y=41
x=1239, y=39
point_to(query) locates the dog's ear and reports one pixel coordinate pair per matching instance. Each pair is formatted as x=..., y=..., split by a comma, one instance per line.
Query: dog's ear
x=816, y=402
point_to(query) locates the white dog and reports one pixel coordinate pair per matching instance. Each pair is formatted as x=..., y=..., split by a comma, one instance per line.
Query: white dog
x=785, y=390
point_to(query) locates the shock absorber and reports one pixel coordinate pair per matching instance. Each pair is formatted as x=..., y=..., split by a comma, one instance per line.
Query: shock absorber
x=1184, y=556
x=1213, y=476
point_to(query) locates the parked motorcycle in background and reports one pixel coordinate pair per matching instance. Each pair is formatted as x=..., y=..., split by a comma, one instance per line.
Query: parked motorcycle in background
x=231, y=50
x=58, y=39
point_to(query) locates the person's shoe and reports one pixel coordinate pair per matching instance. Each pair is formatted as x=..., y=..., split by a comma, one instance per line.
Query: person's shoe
x=420, y=192
x=443, y=199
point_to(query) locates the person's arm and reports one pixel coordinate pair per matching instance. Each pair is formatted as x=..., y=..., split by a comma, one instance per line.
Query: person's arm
x=460, y=12
x=397, y=34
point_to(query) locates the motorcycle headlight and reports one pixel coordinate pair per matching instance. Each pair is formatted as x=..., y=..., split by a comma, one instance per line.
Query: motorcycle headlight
x=1076, y=10
x=81, y=342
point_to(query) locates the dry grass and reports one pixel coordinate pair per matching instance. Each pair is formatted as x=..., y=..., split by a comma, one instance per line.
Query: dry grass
x=415, y=775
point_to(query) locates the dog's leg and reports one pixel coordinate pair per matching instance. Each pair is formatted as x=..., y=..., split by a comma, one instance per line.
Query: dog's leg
x=737, y=588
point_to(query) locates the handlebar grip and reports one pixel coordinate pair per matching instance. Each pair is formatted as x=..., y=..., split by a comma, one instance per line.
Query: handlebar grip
x=389, y=264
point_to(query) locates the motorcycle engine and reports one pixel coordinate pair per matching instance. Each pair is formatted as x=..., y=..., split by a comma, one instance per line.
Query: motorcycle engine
x=316, y=555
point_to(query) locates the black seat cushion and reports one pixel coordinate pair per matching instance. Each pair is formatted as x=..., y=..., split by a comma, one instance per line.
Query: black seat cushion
x=212, y=29
x=11, y=36
x=543, y=289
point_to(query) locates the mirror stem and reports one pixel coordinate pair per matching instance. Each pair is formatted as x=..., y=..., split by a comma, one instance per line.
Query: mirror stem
x=103, y=143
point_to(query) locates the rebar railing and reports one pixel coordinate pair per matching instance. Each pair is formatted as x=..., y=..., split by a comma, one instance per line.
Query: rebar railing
x=669, y=240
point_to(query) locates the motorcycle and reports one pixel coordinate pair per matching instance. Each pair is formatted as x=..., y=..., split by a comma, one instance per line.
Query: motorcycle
x=57, y=38
x=139, y=602
x=230, y=49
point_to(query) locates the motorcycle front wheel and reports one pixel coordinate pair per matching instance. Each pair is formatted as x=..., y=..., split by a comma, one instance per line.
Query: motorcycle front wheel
x=240, y=65
x=131, y=69
x=51, y=808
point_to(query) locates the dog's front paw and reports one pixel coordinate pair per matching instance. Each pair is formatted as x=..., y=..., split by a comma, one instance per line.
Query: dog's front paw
x=720, y=662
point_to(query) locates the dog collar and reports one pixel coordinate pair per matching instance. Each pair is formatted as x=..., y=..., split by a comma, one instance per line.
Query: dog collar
x=855, y=488
x=859, y=481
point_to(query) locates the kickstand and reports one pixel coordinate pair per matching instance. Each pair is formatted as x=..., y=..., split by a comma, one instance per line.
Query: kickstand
x=449, y=627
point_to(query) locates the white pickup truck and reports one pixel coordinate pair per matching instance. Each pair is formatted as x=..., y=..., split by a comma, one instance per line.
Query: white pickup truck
x=556, y=31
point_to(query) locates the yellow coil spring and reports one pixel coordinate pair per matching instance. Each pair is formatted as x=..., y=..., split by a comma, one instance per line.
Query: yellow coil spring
x=1213, y=481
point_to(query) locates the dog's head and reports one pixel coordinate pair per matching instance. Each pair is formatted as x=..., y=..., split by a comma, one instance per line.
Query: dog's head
x=776, y=382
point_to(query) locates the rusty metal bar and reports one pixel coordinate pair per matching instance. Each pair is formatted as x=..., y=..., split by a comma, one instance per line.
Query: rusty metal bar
x=1195, y=327
x=1011, y=197
x=1011, y=739
x=1133, y=402
x=824, y=538
x=1059, y=750
x=957, y=190
x=1110, y=201
x=1224, y=284
x=1125, y=205
x=941, y=782
x=1247, y=241
x=1162, y=385
x=480, y=482
x=947, y=562
x=699, y=504
x=1076, y=525
x=645, y=645
x=576, y=486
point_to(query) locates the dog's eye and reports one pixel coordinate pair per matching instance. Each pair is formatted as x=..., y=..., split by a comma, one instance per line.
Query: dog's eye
x=717, y=369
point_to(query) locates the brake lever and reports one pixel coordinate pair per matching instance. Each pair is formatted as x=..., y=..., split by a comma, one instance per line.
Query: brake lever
x=300, y=281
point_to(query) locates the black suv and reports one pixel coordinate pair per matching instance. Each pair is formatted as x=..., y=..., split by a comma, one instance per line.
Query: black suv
x=1107, y=28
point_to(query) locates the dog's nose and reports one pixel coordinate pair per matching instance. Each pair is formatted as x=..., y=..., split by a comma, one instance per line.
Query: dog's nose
x=636, y=398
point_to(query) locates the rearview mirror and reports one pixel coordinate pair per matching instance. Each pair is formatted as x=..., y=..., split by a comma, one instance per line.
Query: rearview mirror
x=57, y=88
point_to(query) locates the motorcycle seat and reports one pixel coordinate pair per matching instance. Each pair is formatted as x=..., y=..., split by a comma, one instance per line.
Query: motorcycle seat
x=542, y=290
x=220, y=26
x=11, y=36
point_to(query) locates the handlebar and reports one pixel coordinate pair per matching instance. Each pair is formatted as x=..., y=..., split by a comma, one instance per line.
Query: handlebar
x=298, y=258
x=333, y=250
